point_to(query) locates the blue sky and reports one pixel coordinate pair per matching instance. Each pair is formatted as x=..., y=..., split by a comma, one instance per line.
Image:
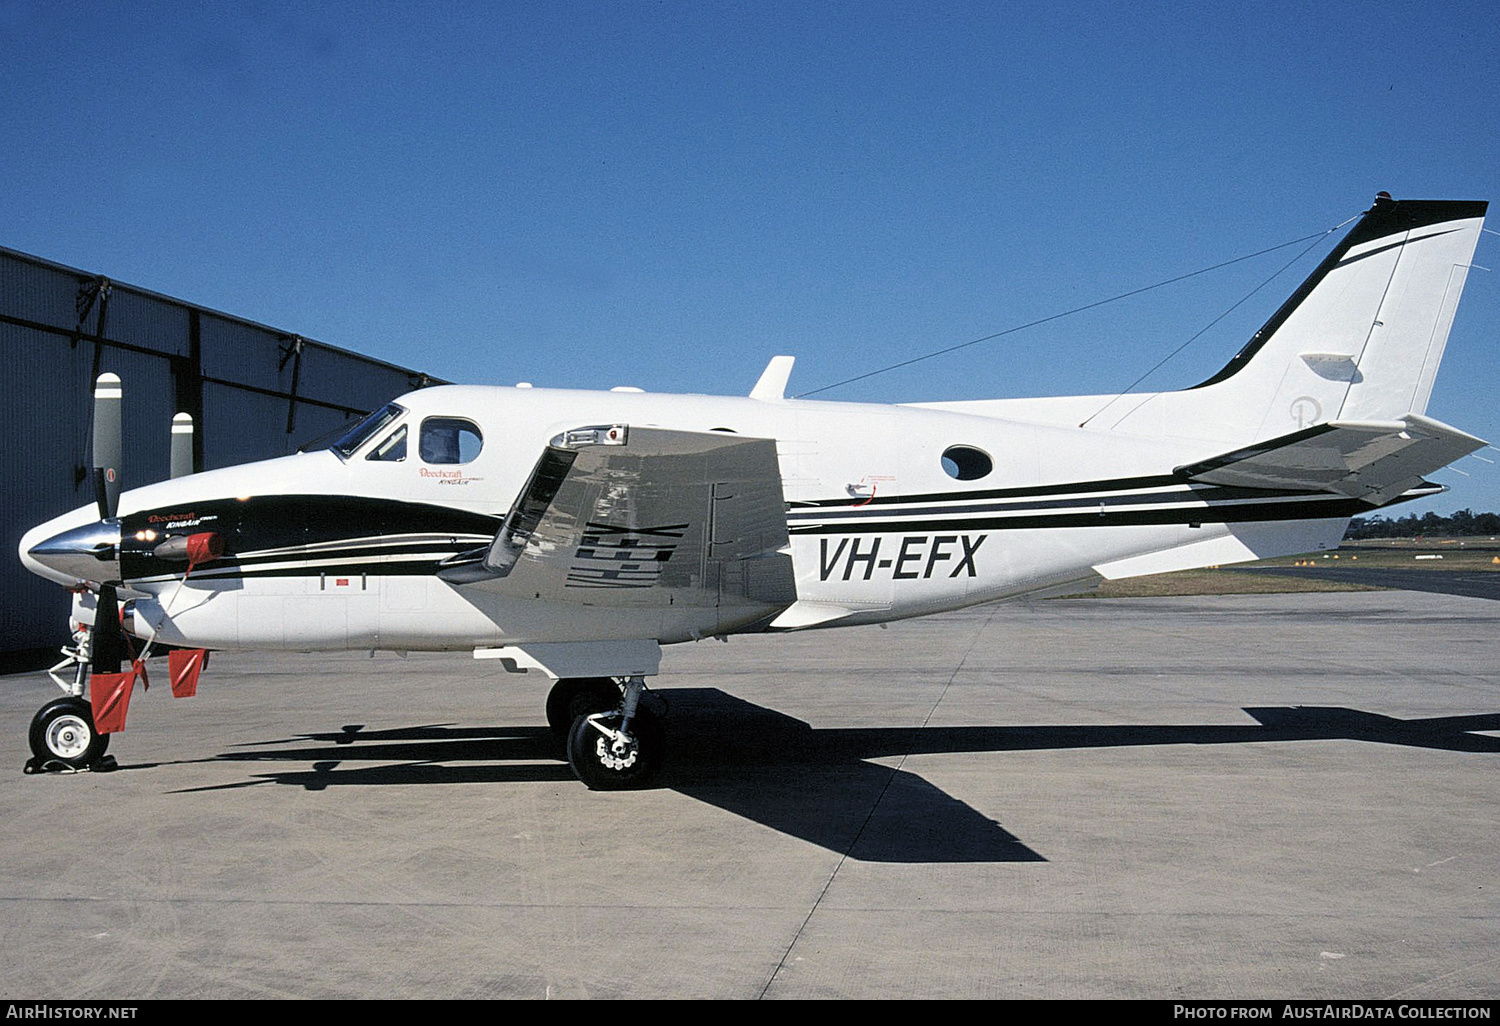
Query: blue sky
x=668, y=194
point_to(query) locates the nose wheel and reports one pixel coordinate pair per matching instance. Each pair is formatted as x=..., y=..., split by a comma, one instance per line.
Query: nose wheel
x=63, y=732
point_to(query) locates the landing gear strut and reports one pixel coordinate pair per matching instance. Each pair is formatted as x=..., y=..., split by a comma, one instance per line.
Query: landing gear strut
x=572, y=697
x=619, y=748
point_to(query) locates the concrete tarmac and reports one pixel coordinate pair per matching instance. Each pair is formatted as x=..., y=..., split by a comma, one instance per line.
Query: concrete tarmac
x=1284, y=796
x=1472, y=583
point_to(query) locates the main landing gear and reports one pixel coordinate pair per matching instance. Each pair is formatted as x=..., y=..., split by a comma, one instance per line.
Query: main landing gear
x=615, y=741
x=573, y=697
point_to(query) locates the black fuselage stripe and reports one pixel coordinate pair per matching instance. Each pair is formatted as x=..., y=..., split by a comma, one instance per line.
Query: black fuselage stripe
x=1249, y=513
x=1196, y=497
x=1261, y=512
x=414, y=568
x=1120, y=484
x=366, y=558
x=447, y=547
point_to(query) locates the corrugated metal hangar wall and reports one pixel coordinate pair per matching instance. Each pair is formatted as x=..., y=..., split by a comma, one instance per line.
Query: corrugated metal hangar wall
x=254, y=392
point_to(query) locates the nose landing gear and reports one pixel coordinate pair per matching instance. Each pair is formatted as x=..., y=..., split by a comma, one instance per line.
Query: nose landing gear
x=63, y=735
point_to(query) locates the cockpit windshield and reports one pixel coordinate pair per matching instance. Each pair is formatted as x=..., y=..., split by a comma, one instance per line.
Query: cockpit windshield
x=361, y=433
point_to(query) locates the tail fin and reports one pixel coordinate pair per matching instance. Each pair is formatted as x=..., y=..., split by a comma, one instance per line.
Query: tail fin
x=1362, y=337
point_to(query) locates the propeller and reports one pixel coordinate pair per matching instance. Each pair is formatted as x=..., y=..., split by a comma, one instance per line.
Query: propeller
x=89, y=554
x=108, y=647
x=108, y=447
x=109, y=640
x=182, y=445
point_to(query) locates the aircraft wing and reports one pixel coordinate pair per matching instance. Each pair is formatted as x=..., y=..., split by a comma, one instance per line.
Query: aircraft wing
x=619, y=515
x=1374, y=461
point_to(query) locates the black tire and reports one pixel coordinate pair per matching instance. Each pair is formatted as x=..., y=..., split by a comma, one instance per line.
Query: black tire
x=591, y=754
x=572, y=697
x=63, y=731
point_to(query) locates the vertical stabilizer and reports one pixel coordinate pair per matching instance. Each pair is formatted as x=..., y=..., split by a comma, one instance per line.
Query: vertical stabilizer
x=1362, y=338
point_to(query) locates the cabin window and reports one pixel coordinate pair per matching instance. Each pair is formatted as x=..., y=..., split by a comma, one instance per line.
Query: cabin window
x=965, y=463
x=449, y=440
x=366, y=429
x=392, y=449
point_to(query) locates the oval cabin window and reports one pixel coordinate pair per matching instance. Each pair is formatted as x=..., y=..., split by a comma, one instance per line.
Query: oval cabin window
x=966, y=463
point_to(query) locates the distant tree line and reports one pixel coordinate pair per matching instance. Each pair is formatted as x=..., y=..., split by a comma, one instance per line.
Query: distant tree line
x=1463, y=523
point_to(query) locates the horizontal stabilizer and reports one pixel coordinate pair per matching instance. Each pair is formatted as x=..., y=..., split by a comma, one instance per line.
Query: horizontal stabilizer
x=1374, y=461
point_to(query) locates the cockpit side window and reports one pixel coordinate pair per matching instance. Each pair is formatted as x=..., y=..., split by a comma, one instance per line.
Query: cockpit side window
x=449, y=440
x=392, y=449
x=366, y=429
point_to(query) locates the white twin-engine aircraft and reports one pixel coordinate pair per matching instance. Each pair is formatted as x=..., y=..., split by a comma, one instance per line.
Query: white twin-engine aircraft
x=575, y=533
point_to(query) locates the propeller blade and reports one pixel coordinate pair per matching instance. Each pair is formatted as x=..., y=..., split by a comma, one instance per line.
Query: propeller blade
x=109, y=640
x=182, y=445
x=108, y=447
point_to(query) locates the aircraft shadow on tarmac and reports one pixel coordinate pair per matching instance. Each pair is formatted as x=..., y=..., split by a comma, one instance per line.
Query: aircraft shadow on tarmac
x=817, y=784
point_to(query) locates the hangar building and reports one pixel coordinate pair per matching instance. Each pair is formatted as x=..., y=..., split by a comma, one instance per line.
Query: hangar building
x=253, y=392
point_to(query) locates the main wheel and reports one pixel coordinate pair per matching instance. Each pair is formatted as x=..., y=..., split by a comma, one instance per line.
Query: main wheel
x=572, y=697
x=607, y=764
x=63, y=731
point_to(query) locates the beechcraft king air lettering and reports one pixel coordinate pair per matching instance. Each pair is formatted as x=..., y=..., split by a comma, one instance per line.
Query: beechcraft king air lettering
x=589, y=529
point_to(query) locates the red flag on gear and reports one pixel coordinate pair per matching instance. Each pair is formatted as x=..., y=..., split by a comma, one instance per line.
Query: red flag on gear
x=109, y=694
x=183, y=667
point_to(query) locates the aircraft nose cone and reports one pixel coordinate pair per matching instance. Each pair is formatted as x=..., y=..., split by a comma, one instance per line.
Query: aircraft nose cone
x=90, y=552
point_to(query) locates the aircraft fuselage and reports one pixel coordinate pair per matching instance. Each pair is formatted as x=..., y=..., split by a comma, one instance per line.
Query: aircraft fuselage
x=331, y=551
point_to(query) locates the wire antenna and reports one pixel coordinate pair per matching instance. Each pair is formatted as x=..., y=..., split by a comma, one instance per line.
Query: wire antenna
x=1200, y=332
x=1077, y=310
